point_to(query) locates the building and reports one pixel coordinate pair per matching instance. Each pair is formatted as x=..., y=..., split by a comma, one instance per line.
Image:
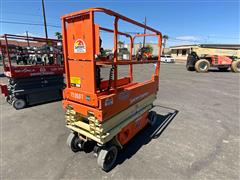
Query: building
x=21, y=43
x=180, y=53
x=137, y=46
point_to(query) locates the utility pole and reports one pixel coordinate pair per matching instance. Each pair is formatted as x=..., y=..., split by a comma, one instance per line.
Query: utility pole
x=27, y=38
x=145, y=23
x=44, y=18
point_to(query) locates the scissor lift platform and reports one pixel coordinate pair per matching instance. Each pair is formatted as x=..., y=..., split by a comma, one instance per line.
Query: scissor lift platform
x=31, y=78
x=104, y=114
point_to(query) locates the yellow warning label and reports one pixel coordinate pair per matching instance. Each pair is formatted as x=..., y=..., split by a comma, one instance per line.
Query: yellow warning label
x=75, y=80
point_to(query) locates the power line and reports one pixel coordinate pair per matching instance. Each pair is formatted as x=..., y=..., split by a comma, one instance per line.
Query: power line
x=28, y=14
x=57, y=26
x=28, y=23
x=21, y=20
x=25, y=14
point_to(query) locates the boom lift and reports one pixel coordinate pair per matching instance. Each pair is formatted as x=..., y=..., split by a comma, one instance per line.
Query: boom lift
x=103, y=115
x=34, y=70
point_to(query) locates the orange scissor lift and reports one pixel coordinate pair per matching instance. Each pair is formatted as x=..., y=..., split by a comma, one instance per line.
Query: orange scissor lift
x=103, y=115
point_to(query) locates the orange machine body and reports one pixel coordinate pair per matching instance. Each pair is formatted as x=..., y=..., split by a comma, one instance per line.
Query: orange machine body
x=128, y=132
x=221, y=60
x=81, y=44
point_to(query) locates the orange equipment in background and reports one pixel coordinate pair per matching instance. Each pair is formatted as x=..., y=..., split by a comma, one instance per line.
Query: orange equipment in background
x=103, y=114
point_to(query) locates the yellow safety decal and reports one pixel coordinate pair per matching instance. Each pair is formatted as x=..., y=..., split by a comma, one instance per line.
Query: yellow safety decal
x=75, y=81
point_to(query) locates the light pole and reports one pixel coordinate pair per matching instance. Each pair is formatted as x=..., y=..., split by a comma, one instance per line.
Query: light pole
x=145, y=23
x=44, y=18
x=27, y=39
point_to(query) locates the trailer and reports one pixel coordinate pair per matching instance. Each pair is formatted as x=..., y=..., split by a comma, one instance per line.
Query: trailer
x=104, y=114
x=34, y=68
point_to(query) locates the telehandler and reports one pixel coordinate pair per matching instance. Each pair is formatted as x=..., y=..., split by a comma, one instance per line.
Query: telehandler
x=202, y=58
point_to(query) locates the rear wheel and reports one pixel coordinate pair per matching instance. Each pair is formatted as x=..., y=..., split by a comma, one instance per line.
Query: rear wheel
x=88, y=146
x=74, y=142
x=107, y=157
x=236, y=66
x=18, y=103
x=202, y=65
x=152, y=118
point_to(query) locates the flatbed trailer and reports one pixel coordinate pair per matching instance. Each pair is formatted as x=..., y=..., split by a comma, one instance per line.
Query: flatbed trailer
x=104, y=114
x=34, y=70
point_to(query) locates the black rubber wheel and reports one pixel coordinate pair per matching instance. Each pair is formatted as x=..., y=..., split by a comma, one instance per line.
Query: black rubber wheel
x=152, y=118
x=235, y=66
x=18, y=103
x=202, y=65
x=107, y=157
x=96, y=150
x=74, y=143
x=87, y=146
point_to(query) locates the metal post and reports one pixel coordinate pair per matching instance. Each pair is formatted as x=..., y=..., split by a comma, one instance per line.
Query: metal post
x=145, y=23
x=115, y=52
x=27, y=39
x=8, y=54
x=44, y=18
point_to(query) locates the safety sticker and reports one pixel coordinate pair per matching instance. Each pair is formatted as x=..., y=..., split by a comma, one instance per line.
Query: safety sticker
x=75, y=81
x=79, y=46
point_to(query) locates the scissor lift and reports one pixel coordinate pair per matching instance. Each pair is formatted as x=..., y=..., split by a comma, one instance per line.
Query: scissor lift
x=104, y=115
x=34, y=70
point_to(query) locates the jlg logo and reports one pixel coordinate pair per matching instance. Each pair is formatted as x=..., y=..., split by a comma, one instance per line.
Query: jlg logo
x=76, y=95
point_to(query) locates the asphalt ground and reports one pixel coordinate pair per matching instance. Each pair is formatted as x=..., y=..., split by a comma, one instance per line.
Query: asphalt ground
x=196, y=137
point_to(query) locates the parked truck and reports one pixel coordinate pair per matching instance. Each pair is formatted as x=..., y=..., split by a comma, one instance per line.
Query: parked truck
x=200, y=59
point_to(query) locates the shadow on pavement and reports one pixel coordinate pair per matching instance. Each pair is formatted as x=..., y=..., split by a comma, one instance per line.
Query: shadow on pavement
x=146, y=135
x=2, y=75
x=220, y=71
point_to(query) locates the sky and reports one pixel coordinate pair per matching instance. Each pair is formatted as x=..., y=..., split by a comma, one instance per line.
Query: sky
x=184, y=21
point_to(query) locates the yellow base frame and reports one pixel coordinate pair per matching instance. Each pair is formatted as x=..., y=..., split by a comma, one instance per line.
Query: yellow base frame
x=106, y=131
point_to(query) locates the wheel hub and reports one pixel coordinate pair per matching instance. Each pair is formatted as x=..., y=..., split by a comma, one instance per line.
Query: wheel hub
x=109, y=157
x=19, y=103
x=203, y=66
x=238, y=66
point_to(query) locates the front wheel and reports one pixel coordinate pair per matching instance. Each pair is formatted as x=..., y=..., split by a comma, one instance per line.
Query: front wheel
x=18, y=103
x=107, y=157
x=236, y=66
x=74, y=142
x=202, y=65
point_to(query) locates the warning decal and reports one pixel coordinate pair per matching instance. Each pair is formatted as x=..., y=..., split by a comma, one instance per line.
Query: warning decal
x=79, y=46
x=75, y=81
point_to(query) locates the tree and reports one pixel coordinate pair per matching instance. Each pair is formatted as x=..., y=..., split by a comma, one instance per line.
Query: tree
x=120, y=44
x=150, y=48
x=165, y=38
x=58, y=35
